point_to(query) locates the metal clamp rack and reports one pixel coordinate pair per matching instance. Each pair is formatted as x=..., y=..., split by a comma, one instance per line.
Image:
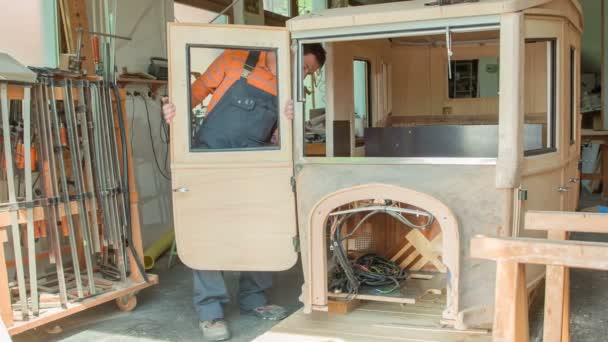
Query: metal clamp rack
x=69, y=213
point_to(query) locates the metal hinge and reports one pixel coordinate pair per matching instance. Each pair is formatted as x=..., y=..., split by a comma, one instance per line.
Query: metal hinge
x=296, y=244
x=292, y=181
x=522, y=194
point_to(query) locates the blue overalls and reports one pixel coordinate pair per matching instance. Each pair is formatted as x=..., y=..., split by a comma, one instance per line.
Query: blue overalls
x=244, y=117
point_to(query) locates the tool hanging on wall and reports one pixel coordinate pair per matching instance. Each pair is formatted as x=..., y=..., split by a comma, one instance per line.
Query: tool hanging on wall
x=75, y=61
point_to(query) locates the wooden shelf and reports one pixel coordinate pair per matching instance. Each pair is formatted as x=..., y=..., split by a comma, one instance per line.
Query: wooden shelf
x=141, y=80
x=153, y=84
x=411, y=291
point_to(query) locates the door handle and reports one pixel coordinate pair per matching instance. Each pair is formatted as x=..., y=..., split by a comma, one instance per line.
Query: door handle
x=573, y=180
x=181, y=189
x=563, y=189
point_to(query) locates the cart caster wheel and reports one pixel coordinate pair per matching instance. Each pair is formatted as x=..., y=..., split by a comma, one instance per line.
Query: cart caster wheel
x=126, y=303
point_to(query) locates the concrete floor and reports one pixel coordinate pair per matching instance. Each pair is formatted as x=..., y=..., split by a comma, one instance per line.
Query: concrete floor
x=165, y=313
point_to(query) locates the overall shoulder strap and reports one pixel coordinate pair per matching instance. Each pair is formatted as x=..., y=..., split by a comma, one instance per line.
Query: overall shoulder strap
x=250, y=63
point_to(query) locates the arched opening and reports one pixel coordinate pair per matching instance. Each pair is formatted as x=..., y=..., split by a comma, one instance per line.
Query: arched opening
x=432, y=251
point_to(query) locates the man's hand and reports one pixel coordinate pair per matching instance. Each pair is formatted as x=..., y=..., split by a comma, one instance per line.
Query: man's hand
x=288, y=113
x=168, y=110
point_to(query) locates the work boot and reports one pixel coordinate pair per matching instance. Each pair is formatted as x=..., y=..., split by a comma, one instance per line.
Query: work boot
x=215, y=330
x=270, y=312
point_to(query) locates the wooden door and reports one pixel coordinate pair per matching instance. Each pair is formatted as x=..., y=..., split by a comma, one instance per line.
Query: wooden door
x=234, y=208
x=571, y=179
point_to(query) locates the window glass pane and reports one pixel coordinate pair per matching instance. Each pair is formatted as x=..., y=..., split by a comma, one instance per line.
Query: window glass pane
x=233, y=99
x=539, y=103
x=361, y=89
x=278, y=6
x=476, y=78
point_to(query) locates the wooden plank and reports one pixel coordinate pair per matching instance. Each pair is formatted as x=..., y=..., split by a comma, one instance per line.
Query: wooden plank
x=412, y=289
x=566, y=310
x=482, y=119
x=426, y=249
x=77, y=13
x=399, y=299
x=554, y=303
x=401, y=251
x=566, y=221
x=6, y=310
x=55, y=314
x=557, y=299
x=374, y=325
x=314, y=149
x=578, y=254
x=413, y=255
x=511, y=308
x=136, y=238
x=342, y=307
x=38, y=214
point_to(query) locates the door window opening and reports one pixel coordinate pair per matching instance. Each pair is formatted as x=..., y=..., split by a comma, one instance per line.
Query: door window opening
x=233, y=99
x=540, y=98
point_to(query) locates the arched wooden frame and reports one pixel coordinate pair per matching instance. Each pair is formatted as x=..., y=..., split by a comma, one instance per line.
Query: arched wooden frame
x=315, y=288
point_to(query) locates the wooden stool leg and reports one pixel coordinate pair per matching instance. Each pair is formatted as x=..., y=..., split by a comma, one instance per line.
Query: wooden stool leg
x=566, y=312
x=557, y=299
x=554, y=303
x=511, y=303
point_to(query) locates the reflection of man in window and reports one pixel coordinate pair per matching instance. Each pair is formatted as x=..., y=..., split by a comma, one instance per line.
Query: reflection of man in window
x=242, y=113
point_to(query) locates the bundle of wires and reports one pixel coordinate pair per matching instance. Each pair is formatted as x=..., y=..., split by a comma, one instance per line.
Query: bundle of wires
x=370, y=269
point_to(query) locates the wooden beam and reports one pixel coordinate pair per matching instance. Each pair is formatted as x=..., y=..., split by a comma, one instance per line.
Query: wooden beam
x=77, y=13
x=511, y=303
x=342, y=307
x=577, y=254
x=566, y=221
x=485, y=119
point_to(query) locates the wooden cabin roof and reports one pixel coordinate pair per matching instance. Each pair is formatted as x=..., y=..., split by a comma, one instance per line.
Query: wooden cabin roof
x=410, y=11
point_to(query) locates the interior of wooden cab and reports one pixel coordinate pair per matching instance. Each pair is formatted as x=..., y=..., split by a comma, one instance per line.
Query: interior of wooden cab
x=403, y=97
x=416, y=251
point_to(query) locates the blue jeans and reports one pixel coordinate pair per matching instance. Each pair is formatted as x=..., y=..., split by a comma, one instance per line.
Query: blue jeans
x=210, y=292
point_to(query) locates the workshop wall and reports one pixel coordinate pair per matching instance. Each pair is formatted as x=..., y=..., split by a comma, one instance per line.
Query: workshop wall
x=154, y=190
x=591, y=55
x=33, y=19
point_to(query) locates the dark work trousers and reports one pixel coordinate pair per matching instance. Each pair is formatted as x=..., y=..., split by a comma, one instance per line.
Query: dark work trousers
x=210, y=292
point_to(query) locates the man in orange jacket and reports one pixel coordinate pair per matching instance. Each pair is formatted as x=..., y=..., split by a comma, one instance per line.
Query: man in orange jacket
x=242, y=113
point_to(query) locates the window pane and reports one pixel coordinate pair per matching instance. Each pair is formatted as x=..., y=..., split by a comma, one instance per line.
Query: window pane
x=233, y=99
x=278, y=6
x=361, y=89
x=539, y=102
